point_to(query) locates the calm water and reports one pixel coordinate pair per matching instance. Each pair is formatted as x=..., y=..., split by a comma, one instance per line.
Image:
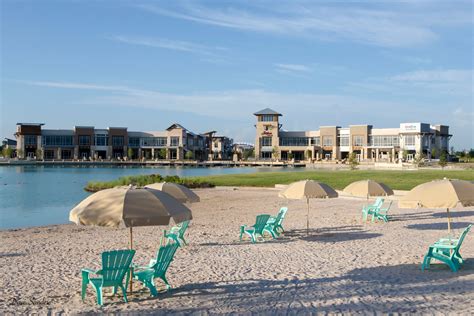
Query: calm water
x=43, y=195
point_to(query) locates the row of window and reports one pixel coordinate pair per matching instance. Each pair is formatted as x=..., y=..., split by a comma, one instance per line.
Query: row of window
x=358, y=140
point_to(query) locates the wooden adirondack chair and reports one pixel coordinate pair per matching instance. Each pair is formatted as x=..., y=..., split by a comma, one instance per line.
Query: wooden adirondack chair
x=273, y=226
x=115, y=268
x=369, y=209
x=381, y=213
x=446, y=251
x=176, y=233
x=156, y=268
x=257, y=229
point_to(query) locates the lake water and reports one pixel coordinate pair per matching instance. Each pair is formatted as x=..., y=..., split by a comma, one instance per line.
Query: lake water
x=43, y=195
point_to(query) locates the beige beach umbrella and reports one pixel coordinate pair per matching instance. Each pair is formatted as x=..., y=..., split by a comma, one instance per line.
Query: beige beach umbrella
x=444, y=194
x=308, y=189
x=366, y=188
x=179, y=192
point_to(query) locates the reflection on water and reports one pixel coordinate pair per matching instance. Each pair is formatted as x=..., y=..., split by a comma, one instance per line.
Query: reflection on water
x=43, y=195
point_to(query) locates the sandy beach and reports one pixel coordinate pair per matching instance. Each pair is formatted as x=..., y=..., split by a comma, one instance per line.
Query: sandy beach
x=342, y=266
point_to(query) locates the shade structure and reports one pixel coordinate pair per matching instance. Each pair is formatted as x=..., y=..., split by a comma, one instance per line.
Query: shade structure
x=308, y=189
x=444, y=194
x=130, y=207
x=366, y=188
x=179, y=192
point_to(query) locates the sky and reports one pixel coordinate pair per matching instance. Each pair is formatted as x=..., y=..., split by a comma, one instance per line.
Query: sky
x=209, y=65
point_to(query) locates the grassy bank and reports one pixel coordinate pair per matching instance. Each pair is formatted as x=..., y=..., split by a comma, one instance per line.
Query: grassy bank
x=397, y=180
x=140, y=181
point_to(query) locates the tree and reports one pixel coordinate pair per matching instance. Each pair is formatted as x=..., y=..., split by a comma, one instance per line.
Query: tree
x=39, y=153
x=452, y=150
x=275, y=153
x=290, y=156
x=419, y=159
x=309, y=155
x=20, y=153
x=353, y=163
x=443, y=161
x=404, y=155
x=7, y=152
x=162, y=153
x=189, y=155
x=434, y=153
x=248, y=153
x=130, y=153
x=471, y=153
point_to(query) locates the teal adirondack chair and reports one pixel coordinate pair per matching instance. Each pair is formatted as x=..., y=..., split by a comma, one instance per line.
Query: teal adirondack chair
x=257, y=229
x=446, y=251
x=176, y=233
x=156, y=268
x=381, y=213
x=115, y=268
x=369, y=209
x=273, y=225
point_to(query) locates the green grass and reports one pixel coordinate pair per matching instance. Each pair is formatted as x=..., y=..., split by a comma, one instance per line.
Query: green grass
x=397, y=180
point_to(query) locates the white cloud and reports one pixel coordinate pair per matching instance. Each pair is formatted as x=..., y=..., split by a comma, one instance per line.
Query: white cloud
x=395, y=27
x=449, y=75
x=182, y=46
x=293, y=67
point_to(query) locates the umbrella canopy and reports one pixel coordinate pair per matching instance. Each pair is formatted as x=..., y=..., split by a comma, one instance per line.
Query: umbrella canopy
x=179, y=192
x=308, y=189
x=444, y=193
x=132, y=207
x=366, y=188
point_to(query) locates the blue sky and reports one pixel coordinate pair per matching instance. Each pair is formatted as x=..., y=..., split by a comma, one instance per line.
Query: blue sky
x=210, y=65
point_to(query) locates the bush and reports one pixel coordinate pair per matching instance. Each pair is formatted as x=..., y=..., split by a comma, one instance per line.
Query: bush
x=143, y=180
x=353, y=163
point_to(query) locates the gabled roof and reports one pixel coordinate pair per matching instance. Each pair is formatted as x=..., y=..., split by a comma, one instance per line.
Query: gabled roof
x=267, y=111
x=176, y=125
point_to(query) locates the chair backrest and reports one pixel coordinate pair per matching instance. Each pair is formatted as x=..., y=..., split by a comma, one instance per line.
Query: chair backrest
x=260, y=223
x=378, y=202
x=281, y=215
x=463, y=235
x=182, y=228
x=115, y=264
x=164, y=256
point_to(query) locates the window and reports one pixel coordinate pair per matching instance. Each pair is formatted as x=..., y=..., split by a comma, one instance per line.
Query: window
x=358, y=141
x=384, y=140
x=49, y=154
x=267, y=118
x=30, y=140
x=294, y=141
x=266, y=141
x=57, y=141
x=174, y=141
x=117, y=141
x=101, y=140
x=327, y=141
x=161, y=141
x=190, y=141
x=134, y=141
x=216, y=144
x=410, y=140
x=84, y=140
x=316, y=141
x=344, y=141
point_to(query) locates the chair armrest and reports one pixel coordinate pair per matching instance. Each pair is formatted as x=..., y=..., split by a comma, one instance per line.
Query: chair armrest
x=443, y=246
x=89, y=271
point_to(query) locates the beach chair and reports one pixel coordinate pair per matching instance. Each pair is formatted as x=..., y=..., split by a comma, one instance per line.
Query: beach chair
x=273, y=226
x=115, y=268
x=369, y=209
x=176, y=233
x=257, y=229
x=381, y=213
x=446, y=251
x=156, y=268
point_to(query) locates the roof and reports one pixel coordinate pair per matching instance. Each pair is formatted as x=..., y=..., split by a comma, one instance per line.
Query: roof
x=267, y=111
x=9, y=141
x=57, y=132
x=31, y=124
x=176, y=125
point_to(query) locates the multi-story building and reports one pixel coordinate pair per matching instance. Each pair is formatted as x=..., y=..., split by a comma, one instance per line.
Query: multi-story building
x=89, y=143
x=337, y=143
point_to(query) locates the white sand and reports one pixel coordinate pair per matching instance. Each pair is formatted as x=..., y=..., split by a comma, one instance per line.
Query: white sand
x=344, y=265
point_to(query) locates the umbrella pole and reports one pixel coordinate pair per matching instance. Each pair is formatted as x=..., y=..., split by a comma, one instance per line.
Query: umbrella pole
x=131, y=269
x=449, y=222
x=307, y=218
